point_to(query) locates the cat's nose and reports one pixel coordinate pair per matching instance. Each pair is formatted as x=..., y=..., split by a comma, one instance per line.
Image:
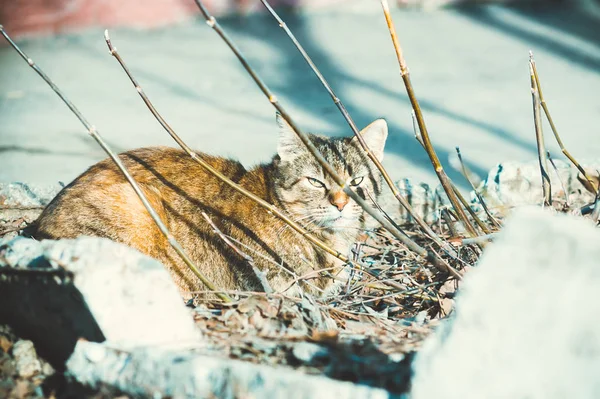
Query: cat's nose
x=339, y=200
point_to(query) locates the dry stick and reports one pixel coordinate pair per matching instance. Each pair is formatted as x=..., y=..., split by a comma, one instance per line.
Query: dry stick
x=380, y=209
x=94, y=133
x=479, y=197
x=539, y=138
x=439, y=170
x=460, y=197
x=448, y=249
x=262, y=276
x=446, y=217
x=336, y=100
x=478, y=240
x=270, y=208
x=551, y=122
x=562, y=184
x=435, y=259
x=466, y=205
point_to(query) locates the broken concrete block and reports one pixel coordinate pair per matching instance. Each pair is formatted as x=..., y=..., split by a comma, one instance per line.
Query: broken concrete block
x=513, y=184
x=525, y=323
x=25, y=201
x=160, y=372
x=55, y=292
x=21, y=204
x=27, y=195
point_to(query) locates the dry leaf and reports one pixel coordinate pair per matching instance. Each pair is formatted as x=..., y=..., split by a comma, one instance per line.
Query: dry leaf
x=5, y=344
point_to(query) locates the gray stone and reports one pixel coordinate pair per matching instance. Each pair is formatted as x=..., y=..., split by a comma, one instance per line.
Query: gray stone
x=22, y=195
x=21, y=204
x=55, y=292
x=513, y=184
x=526, y=319
x=307, y=351
x=160, y=372
x=26, y=359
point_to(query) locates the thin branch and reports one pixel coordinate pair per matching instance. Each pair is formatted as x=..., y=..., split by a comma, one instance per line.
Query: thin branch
x=477, y=240
x=460, y=197
x=413, y=246
x=380, y=209
x=562, y=184
x=94, y=133
x=466, y=205
x=539, y=137
x=270, y=208
x=262, y=276
x=551, y=122
x=338, y=102
x=491, y=218
x=313, y=274
x=437, y=166
x=448, y=220
x=270, y=260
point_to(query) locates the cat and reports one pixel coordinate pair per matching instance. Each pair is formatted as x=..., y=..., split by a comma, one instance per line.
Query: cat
x=101, y=203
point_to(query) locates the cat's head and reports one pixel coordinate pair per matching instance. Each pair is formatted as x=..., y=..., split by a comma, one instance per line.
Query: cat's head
x=310, y=195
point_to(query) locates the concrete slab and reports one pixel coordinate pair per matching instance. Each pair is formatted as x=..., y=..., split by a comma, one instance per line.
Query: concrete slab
x=468, y=65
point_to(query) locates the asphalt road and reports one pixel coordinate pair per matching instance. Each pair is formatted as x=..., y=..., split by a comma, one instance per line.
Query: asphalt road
x=469, y=68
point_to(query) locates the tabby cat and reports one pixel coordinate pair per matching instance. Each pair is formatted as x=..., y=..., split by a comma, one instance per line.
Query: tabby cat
x=101, y=203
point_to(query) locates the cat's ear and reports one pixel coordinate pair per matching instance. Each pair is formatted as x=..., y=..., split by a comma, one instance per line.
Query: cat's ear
x=289, y=146
x=375, y=135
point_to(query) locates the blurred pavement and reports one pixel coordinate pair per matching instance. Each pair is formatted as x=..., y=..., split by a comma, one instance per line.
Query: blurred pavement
x=469, y=69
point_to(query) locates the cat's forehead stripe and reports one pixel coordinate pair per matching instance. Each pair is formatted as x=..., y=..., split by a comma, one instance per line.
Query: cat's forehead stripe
x=335, y=150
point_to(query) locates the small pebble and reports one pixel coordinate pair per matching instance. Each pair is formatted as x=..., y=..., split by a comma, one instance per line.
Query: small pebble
x=26, y=359
x=306, y=351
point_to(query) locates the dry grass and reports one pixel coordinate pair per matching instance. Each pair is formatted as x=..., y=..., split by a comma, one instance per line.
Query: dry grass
x=390, y=311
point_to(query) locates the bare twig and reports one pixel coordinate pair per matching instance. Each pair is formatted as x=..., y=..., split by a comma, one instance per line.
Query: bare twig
x=262, y=276
x=449, y=223
x=338, y=102
x=491, y=218
x=11, y=230
x=539, y=137
x=22, y=208
x=562, y=184
x=96, y=136
x=467, y=206
x=308, y=276
x=413, y=246
x=437, y=166
x=271, y=261
x=460, y=197
x=270, y=208
x=551, y=122
x=477, y=240
x=380, y=209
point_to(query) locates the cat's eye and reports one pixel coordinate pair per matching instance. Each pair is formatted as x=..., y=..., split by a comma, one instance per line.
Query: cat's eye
x=356, y=181
x=315, y=182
